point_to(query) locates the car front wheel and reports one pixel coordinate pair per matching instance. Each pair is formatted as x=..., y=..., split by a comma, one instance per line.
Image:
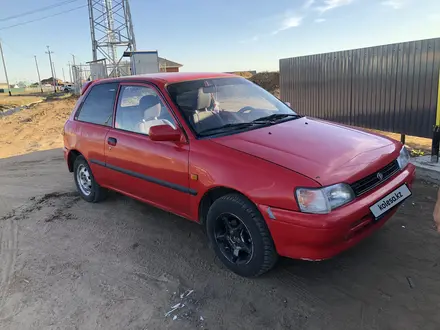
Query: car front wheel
x=87, y=187
x=239, y=236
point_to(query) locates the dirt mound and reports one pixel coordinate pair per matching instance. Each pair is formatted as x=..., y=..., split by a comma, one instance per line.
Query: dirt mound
x=244, y=74
x=36, y=128
x=270, y=81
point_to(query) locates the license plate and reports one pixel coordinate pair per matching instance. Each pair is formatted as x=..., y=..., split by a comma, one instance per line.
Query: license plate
x=390, y=200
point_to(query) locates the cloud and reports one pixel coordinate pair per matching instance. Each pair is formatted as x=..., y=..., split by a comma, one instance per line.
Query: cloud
x=288, y=23
x=332, y=4
x=308, y=4
x=279, y=23
x=320, y=20
x=395, y=4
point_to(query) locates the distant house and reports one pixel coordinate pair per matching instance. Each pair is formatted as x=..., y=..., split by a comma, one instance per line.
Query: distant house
x=22, y=84
x=3, y=88
x=49, y=81
x=166, y=65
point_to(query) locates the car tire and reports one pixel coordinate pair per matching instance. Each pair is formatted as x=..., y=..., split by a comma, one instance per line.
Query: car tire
x=248, y=250
x=85, y=182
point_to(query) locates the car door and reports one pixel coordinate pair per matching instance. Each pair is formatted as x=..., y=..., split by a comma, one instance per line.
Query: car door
x=153, y=171
x=94, y=118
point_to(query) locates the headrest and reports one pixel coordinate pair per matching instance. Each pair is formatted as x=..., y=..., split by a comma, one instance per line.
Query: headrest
x=203, y=100
x=186, y=100
x=148, y=101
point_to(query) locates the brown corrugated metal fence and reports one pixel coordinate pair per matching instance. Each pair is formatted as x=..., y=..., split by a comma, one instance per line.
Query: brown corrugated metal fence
x=391, y=88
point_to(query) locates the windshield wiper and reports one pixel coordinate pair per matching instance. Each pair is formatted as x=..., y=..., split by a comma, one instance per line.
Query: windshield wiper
x=226, y=127
x=275, y=117
x=263, y=120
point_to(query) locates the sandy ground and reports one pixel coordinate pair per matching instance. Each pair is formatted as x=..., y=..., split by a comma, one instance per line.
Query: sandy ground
x=34, y=129
x=120, y=264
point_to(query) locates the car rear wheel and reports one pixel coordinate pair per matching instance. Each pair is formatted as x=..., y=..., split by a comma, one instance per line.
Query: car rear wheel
x=87, y=187
x=239, y=236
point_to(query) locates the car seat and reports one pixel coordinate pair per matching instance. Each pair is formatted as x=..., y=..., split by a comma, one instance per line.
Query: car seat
x=151, y=114
x=203, y=117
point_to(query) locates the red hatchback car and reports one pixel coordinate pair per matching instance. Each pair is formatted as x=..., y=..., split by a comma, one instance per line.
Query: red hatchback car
x=221, y=151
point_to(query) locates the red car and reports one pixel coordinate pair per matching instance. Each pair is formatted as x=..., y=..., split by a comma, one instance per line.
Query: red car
x=221, y=151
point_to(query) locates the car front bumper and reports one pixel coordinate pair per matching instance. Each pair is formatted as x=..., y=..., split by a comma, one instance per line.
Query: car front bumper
x=322, y=236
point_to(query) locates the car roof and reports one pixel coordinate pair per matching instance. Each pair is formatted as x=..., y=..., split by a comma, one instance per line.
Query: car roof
x=169, y=77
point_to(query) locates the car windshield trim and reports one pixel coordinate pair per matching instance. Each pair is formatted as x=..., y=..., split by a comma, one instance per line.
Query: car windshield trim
x=276, y=117
x=224, y=128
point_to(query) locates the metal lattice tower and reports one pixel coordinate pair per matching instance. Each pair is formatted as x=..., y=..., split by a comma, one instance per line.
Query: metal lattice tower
x=111, y=29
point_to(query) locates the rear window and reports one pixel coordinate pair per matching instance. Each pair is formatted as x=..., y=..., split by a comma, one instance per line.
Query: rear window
x=98, y=105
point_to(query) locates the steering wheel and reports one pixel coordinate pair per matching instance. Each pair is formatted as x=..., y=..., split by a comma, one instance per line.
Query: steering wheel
x=245, y=112
x=245, y=109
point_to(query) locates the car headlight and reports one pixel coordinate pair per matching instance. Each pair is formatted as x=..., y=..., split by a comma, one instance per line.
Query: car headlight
x=323, y=200
x=403, y=158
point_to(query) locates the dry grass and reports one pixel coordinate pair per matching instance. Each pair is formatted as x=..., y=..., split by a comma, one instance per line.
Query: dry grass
x=419, y=146
x=7, y=102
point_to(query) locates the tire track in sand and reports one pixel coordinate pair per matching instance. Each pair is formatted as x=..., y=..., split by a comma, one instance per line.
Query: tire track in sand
x=8, y=254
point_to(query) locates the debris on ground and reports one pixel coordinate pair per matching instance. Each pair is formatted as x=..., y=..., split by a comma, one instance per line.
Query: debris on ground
x=410, y=282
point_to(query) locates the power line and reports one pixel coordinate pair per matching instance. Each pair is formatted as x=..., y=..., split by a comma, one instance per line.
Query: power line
x=37, y=10
x=42, y=18
x=14, y=49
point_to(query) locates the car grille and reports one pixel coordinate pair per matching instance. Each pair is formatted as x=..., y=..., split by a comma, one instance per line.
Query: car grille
x=363, y=185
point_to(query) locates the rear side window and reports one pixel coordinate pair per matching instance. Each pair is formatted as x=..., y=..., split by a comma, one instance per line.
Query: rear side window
x=98, y=105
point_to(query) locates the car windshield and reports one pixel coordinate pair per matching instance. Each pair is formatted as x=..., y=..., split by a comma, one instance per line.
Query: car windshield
x=224, y=105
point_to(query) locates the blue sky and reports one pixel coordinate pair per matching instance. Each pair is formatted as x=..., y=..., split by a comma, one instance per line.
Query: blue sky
x=226, y=35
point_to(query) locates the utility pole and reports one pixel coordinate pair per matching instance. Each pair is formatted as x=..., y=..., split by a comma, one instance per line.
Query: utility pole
x=75, y=76
x=4, y=67
x=38, y=73
x=56, y=79
x=64, y=77
x=70, y=72
x=51, y=69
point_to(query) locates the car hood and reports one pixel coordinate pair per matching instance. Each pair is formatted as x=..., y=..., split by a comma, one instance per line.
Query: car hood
x=323, y=151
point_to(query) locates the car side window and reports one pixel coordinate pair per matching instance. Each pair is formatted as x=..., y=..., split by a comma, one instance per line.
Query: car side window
x=139, y=108
x=98, y=106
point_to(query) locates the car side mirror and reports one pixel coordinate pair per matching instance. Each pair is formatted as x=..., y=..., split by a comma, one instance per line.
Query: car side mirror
x=287, y=103
x=165, y=133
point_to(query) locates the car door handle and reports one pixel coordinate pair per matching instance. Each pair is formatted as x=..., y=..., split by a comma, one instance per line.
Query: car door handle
x=112, y=141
